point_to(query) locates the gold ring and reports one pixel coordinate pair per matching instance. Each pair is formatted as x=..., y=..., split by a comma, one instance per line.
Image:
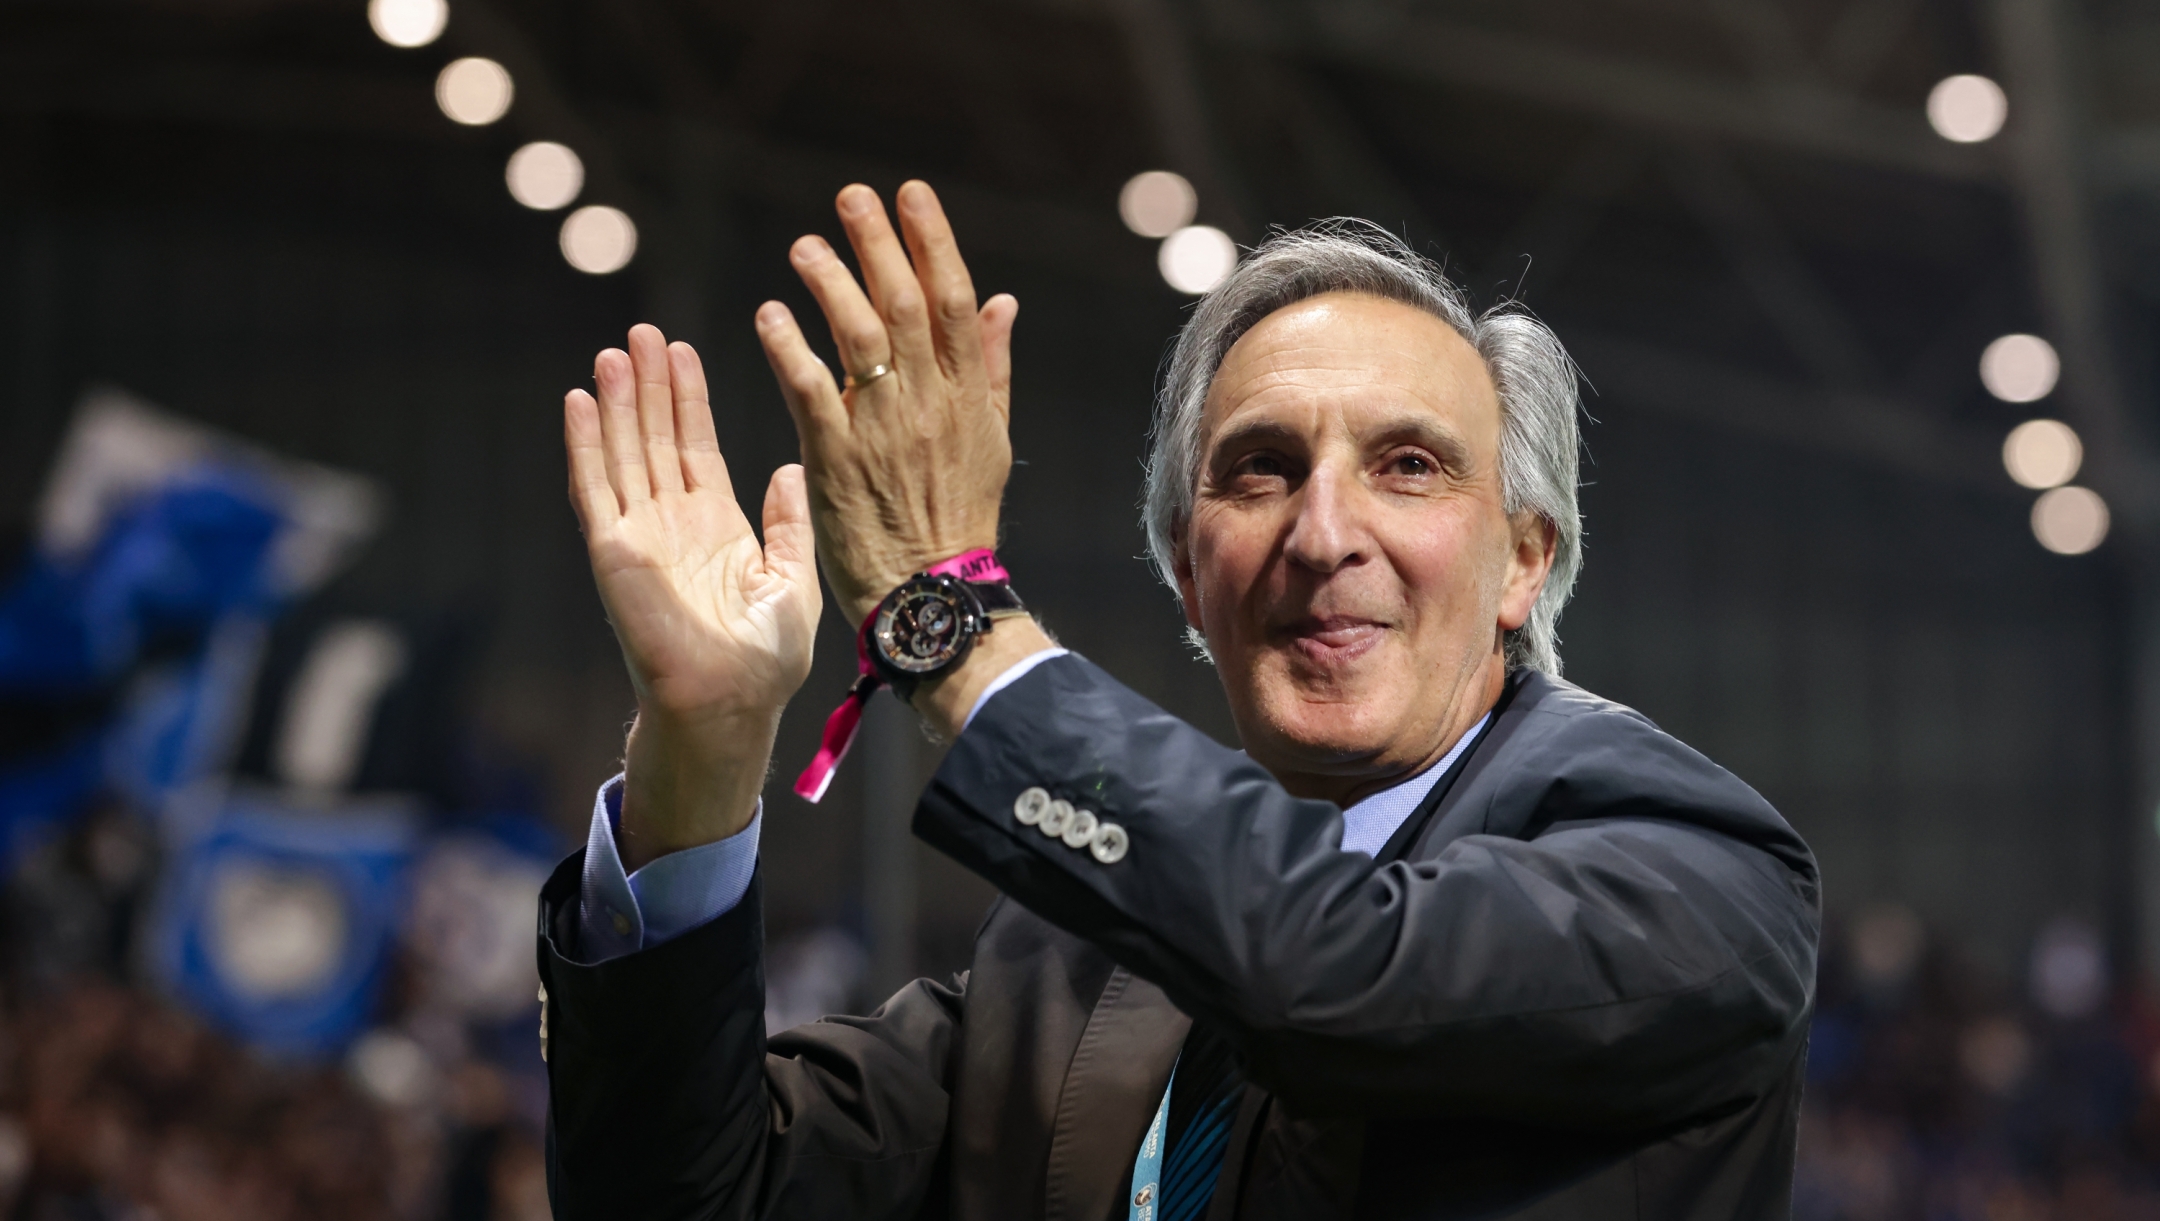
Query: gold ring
x=863, y=379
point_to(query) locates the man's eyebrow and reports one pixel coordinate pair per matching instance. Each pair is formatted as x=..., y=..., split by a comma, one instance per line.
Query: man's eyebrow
x=1250, y=433
x=1426, y=431
x=1414, y=428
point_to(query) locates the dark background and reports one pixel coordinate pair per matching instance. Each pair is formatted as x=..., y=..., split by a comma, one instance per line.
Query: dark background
x=1803, y=555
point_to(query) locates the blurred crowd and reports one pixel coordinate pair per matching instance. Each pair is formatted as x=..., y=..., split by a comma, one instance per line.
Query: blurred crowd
x=266, y=904
x=1938, y=1092
x=119, y=1104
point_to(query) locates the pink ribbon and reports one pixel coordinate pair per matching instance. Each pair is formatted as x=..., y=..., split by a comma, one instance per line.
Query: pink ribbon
x=980, y=564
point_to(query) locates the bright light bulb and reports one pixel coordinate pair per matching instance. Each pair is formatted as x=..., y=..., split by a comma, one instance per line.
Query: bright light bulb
x=474, y=91
x=2043, y=453
x=408, y=23
x=598, y=239
x=2020, y=368
x=1967, y=109
x=1157, y=203
x=544, y=175
x=2070, y=520
x=1196, y=258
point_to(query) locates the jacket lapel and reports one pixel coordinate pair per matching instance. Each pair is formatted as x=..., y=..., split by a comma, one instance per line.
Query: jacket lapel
x=1456, y=805
x=1115, y=1080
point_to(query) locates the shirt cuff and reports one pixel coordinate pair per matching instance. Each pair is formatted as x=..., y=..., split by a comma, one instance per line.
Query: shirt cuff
x=1013, y=673
x=621, y=913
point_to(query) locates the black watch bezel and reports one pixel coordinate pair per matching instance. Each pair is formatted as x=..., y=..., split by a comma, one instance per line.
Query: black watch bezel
x=904, y=664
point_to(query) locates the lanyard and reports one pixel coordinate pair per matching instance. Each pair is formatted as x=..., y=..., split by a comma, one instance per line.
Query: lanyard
x=1147, y=1168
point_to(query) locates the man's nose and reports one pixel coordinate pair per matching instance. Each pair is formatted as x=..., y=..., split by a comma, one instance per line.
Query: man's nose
x=1328, y=532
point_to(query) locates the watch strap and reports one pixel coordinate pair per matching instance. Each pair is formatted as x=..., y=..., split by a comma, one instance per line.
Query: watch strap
x=998, y=599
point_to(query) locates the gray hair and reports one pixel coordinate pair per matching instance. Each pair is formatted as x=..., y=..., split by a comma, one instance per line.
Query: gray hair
x=1535, y=378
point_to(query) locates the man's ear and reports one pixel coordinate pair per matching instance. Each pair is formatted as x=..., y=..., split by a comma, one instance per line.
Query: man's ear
x=1188, y=591
x=1535, y=540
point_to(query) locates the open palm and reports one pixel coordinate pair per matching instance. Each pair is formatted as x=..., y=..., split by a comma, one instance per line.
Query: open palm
x=716, y=629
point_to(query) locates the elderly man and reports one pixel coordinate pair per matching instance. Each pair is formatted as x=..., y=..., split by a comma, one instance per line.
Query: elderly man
x=1449, y=938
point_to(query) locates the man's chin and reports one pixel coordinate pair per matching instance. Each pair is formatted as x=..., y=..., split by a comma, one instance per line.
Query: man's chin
x=1335, y=731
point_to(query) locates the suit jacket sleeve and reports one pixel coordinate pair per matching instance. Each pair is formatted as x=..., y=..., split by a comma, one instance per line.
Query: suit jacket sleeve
x=667, y=1101
x=1637, y=952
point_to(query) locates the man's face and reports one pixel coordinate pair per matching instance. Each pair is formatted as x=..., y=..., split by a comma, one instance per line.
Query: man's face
x=1348, y=558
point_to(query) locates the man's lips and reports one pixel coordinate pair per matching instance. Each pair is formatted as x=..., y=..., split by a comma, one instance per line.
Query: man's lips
x=1333, y=638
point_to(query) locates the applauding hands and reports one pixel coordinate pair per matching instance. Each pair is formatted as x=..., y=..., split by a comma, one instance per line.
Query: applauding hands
x=906, y=464
x=716, y=629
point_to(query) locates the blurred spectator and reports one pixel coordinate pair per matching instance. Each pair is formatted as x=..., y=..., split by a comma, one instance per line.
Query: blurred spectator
x=117, y=1105
x=130, y=1105
x=1935, y=1095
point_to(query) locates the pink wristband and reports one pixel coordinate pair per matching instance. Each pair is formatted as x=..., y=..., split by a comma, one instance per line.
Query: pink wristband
x=980, y=564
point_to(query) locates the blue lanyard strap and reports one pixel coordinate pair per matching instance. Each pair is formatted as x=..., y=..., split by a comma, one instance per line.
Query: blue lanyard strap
x=1147, y=1168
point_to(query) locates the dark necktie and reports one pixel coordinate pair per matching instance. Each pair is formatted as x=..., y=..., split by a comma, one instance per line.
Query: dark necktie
x=1203, y=1105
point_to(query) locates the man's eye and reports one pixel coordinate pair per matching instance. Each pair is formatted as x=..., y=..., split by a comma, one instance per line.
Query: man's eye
x=1266, y=466
x=1411, y=464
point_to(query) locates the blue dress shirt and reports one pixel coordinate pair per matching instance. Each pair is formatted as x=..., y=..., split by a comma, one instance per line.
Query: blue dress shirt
x=620, y=913
x=1369, y=824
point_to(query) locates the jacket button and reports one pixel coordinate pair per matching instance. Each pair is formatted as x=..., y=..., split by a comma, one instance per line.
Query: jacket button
x=1080, y=830
x=1031, y=806
x=1110, y=843
x=1056, y=819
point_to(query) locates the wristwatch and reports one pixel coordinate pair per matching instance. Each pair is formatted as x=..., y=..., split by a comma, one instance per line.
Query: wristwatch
x=927, y=626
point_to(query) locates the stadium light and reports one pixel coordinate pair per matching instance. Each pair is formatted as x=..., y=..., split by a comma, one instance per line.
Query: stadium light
x=1157, y=203
x=1196, y=258
x=2070, y=520
x=2020, y=368
x=597, y=239
x=408, y=23
x=1967, y=109
x=2043, y=454
x=544, y=175
x=474, y=91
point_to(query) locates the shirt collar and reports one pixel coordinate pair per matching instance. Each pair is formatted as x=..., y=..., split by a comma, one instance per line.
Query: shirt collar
x=1371, y=822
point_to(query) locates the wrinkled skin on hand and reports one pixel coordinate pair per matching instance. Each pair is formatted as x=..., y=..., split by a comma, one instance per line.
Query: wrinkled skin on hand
x=908, y=468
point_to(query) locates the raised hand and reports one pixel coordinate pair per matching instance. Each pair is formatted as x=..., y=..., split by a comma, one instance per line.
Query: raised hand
x=907, y=460
x=906, y=466
x=715, y=628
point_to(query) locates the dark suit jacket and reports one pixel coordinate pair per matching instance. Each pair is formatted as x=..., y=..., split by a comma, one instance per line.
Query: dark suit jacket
x=1582, y=991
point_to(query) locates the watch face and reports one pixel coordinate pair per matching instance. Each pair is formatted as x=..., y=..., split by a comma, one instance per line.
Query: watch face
x=925, y=625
